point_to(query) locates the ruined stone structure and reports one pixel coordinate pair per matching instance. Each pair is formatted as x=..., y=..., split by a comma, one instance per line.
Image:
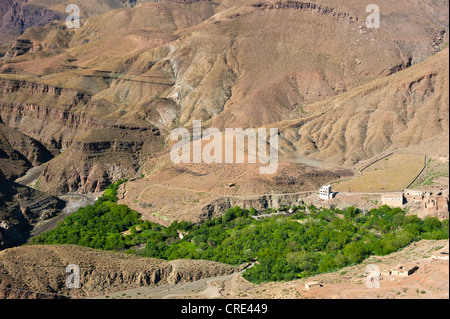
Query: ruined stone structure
x=435, y=203
x=429, y=201
x=414, y=196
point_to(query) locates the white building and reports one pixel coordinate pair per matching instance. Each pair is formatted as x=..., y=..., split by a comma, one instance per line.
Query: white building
x=325, y=192
x=393, y=200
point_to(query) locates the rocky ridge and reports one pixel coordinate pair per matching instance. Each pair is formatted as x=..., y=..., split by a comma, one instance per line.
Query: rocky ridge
x=42, y=272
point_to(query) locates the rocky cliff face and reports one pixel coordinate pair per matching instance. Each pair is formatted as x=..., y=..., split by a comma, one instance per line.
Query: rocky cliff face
x=18, y=152
x=43, y=112
x=98, y=158
x=21, y=208
x=219, y=206
x=93, y=160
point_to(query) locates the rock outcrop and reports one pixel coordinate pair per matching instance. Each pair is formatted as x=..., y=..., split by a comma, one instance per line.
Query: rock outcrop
x=218, y=207
x=21, y=208
x=100, y=157
x=18, y=152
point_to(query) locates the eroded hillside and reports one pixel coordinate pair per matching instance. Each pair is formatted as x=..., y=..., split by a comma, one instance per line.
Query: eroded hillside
x=406, y=109
x=151, y=67
x=43, y=271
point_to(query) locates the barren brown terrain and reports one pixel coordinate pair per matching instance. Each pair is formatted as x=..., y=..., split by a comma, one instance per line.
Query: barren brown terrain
x=192, y=191
x=42, y=271
x=430, y=281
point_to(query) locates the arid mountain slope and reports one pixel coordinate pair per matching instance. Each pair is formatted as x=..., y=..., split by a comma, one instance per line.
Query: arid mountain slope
x=230, y=64
x=265, y=62
x=18, y=15
x=402, y=110
x=65, y=101
x=42, y=272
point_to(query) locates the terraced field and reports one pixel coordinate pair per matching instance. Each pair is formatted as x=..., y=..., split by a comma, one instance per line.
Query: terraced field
x=435, y=174
x=394, y=173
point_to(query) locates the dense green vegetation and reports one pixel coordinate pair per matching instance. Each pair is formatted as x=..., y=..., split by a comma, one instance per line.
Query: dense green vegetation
x=308, y=242
x=97, y=226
